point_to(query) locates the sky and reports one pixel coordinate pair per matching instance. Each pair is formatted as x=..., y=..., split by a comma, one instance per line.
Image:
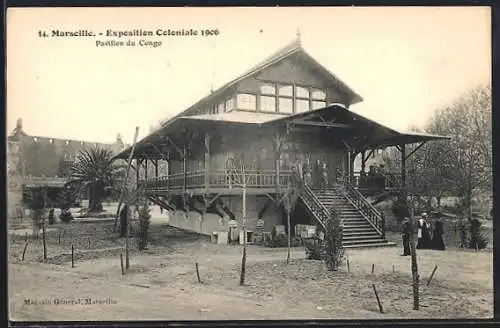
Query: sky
x=405, y=62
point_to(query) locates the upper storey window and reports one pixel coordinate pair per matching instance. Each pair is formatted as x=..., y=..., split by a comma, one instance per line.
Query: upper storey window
x=286, y=90
x=318, y=94
x=267, y=104
x=229, y=104
x=268, y=89
x=246, y=101
x=220, y=107
x=318, y=104
x=302, y=92
x=288, y=98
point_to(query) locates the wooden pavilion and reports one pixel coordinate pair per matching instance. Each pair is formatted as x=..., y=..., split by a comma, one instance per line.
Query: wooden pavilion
x=287, y=117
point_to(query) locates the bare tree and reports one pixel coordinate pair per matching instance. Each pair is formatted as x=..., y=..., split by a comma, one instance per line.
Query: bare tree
x=469, y=152
x=238, y=173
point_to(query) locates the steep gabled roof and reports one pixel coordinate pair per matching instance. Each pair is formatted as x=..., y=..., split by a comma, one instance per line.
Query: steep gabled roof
x=290, y=49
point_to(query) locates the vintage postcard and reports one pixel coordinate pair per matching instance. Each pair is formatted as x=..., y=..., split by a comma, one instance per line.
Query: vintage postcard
x=249, y=163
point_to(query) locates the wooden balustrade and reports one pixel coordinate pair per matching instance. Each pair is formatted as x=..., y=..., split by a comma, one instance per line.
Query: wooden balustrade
x=386, y=180
x=217, y=179
x=366, y=208
x=315, y=206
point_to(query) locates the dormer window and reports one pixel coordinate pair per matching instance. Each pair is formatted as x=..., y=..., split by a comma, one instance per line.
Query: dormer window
x=35, y=139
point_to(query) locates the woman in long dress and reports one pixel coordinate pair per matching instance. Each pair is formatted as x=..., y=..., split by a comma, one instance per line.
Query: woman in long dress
x=424, y=237
x=437, y=235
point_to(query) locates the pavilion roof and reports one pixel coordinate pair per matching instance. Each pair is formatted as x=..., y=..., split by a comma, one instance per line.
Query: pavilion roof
x=291, y=49
x=371, y=134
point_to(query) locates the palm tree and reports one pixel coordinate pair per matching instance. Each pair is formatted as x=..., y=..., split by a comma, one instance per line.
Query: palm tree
x=95, y=170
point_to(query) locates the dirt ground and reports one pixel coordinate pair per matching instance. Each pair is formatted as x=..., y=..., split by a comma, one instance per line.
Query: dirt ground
x=162, y=283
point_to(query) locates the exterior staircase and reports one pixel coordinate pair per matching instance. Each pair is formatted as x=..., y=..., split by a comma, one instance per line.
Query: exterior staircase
x=363, y=225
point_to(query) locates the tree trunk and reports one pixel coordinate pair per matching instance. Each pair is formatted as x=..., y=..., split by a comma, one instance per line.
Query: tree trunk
x=95, y=204
x=414, y=266
x=44, y=241
x=244, y=257
x=289, y=234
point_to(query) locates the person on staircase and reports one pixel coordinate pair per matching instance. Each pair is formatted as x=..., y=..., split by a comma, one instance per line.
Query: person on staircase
x=324, y=175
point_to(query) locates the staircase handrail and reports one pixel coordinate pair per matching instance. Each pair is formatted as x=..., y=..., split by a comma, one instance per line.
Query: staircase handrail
x=317, y=208
x=376, y=218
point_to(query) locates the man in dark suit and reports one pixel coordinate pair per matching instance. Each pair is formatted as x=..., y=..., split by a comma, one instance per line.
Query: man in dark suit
x=405, y=234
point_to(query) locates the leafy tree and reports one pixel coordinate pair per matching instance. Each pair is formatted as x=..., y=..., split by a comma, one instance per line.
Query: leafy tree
x=96, y=171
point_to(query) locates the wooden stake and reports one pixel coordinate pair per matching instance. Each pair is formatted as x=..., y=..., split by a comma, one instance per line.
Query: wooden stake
x=348, y=268
x=121, y=263
x=127, y=256
x=198, y=273
x=44, y=242
x=88, y=242
x=432, y=275
x=373, y=268
x=393, y=270
x=72, y=256
x=380, y=308
x=26, y=237
x=24, y=250
x=414, y=265
x=59, y=237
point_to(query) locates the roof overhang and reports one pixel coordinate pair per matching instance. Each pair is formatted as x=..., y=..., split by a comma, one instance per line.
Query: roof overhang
x=368, y=133
x=364, y=133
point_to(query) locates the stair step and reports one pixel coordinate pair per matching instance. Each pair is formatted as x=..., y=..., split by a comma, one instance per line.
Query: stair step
x=363, y=241
x=358, y=229
x=373, y=236
x=360, y=234
x=381, y=244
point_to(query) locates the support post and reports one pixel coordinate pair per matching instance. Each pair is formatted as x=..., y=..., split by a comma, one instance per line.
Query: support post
x=184, y=166
x=138, y=166
x=363, y=161
x=207, y=162
x=156, y=168
x=403, y=167
x=352, y=157
x=278, y=162
x=146, y=169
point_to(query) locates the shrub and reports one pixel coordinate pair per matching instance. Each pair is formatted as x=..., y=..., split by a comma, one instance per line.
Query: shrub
x=66, y=216
x=314, y=248
x=334, y=250
x=462, y=228
x=144, y=222
x=477, y=239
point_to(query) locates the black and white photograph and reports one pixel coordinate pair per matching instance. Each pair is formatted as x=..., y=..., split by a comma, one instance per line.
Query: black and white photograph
x=249, y=163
